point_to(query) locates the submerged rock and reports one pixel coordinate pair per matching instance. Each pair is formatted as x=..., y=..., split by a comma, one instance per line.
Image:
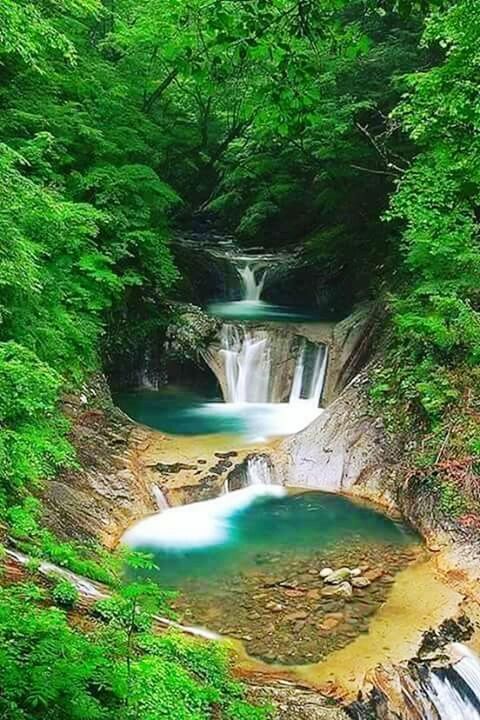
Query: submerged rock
x=325, y=572
x=360, y=582
x=343, y=590
x=294, y=703
x=338, y=576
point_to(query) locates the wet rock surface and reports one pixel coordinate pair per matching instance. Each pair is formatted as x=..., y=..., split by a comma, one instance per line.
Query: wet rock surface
x=285, y=612
x=293, y=703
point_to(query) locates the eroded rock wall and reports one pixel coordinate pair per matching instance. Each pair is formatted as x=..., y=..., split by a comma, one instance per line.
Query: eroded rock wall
x=98, y=499
x=345, y=450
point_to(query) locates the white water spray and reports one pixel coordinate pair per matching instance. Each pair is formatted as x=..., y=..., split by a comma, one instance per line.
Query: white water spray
x=201, y=524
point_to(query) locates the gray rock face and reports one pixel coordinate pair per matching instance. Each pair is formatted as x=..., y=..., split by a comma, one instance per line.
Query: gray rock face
x=345, y=449
x=192, y=331
x=100, y=498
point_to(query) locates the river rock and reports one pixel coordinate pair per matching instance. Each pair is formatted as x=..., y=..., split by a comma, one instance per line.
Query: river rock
x=374, y=574
x=343, y=590
x=274, y=607
x=325, y=572
x=330, y=623
x=338, y=576
x=356, y=572
x=294, y=703
x=360, y=582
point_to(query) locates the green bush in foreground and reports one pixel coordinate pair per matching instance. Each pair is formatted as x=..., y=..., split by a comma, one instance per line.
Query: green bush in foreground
x=111, y=671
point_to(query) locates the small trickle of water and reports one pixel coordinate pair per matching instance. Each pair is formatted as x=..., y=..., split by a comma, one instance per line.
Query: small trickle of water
x=259, y=471
x=159, y=497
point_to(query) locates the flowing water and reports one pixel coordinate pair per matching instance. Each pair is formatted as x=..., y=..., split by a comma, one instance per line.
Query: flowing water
x=454, y=692
x=248, y=565
x=246, y=356
x=253, y=271
x=271, y=381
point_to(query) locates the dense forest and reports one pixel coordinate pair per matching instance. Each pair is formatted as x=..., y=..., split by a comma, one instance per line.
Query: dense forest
x=346, y=130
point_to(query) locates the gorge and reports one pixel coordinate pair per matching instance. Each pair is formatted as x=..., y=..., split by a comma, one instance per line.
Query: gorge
x=251, y=565
x=239, y=360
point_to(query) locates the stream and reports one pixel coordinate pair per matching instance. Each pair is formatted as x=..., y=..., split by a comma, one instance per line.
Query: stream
x=302, y=580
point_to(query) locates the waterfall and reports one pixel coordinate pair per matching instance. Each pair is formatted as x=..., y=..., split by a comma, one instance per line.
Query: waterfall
x=252, y=290
x=247, y=364
x=422, y=692
x=455, y=692
x=255, y=363
x=259, y=470
x=159, y=497
x=201, y=524
x=309, y=375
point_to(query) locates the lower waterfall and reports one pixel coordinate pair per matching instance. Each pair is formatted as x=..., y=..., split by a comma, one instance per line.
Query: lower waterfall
x=421, y=692
x=454, y=692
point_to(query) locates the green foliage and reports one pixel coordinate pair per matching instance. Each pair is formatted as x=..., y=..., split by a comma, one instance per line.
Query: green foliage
x=65, y=593
x=425, y=389
x=32, y=441
x=289, y=122
x=25, y=526
x=53, y=671
x=48, y=670
x=451, y=501
x=437, y=201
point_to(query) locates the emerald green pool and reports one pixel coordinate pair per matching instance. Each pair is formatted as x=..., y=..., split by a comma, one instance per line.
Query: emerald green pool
x=248, y=564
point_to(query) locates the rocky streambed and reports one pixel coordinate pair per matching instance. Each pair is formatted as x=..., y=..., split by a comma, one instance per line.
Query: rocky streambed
x=291, y=610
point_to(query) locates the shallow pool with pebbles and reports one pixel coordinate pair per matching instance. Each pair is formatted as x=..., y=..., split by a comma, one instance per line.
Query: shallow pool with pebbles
x=284, y=612
x=263, y=581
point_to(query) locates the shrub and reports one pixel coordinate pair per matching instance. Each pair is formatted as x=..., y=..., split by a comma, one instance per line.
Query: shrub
x=65, y=593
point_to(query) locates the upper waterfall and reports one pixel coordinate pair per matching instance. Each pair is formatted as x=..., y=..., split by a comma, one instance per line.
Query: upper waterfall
x=252, y=286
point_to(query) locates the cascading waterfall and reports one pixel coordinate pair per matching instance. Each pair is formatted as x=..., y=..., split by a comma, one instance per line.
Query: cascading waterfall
x=309, y=377
x=252, y=288
x=455, y=692
x=247, y=364
x=427, y=693
x=259, y=471
x=248, y=359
